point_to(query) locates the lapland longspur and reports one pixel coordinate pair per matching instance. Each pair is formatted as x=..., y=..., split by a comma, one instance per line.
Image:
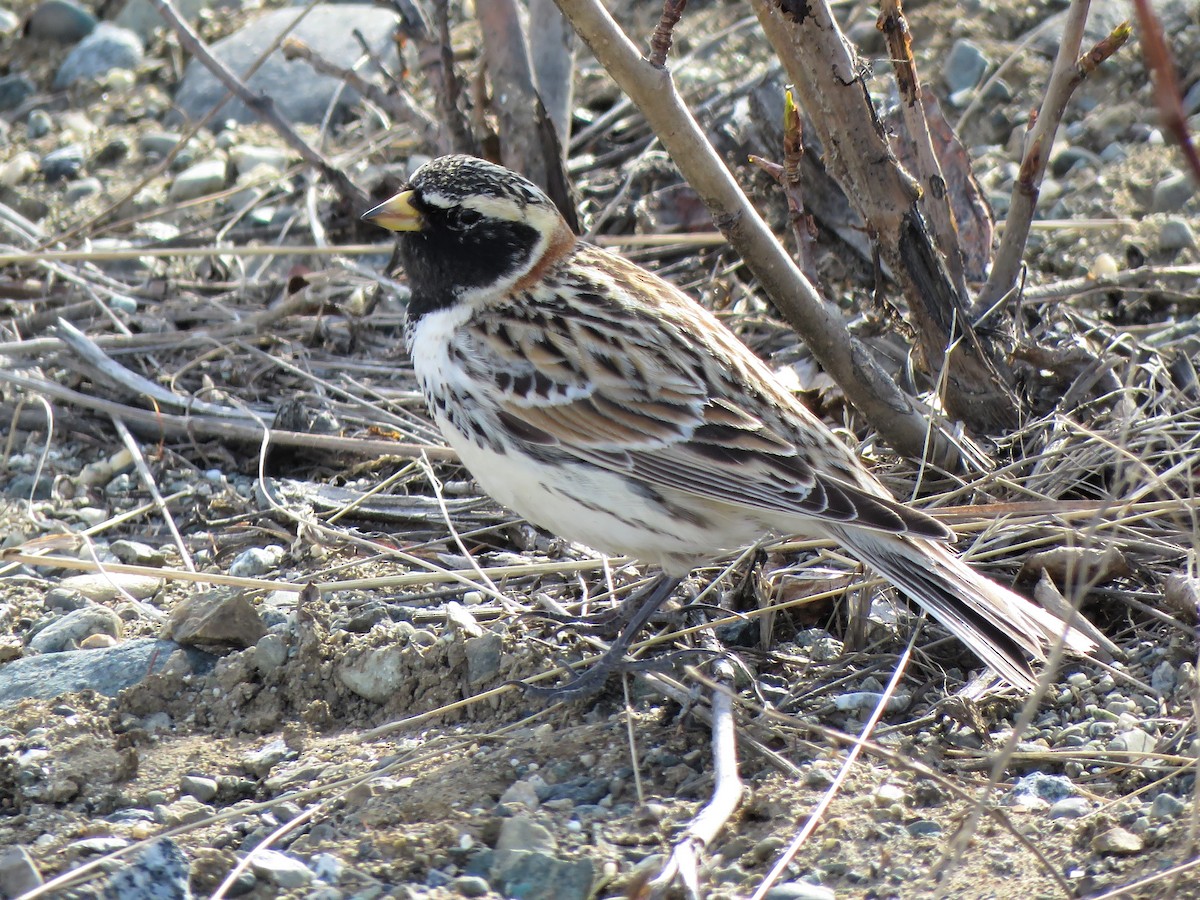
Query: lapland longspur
x=601, y=403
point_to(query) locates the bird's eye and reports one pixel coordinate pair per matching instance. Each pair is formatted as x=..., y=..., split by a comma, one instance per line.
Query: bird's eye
x=468, y=218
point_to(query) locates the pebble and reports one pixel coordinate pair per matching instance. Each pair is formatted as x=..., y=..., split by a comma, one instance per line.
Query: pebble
x=1040, y=790
x=1175, y=234
x=9, y=21
x=199, y=180
x=65, y=162
x=270, y=653
x=66, y=632
x=183, y=811
x=15, y=89
x=112, y=153
x=257, y=560
x=1167, y=806
x=60, y=20
x=104, y=587
x=159, y=143
x=854, y=701
x=964, y=67
x=107, y=672
x=215, y=617
x=483, y=657
x=799, y=890
x=522, y=792
x=1164, y=678
x=135, y=553
x=18, y=872
x=260, y=762
x=887, y=794
x=327, y=868
x=248, y=157
x=203, y=789
x=299, y=93
x=470, y=885
x=1172, y=193
x=159, y=873
x=81, y=189
x=108, y=47
x=1070, y=808
x=12, y=173
x=374, y=674
x=924, y=828
x=1136, y=741
x=280, y=869
x=1118, y=842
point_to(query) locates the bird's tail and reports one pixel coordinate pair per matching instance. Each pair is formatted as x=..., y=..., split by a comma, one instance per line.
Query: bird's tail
x=1002, y=628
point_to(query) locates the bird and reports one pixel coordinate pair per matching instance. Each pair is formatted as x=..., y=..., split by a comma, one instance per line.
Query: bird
x=601, y=403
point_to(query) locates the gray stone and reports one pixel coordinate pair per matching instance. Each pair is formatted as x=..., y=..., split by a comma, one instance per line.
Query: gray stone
x=67, y=632
x=1176, y=234
x=1172, y=193
x=246, y=158
x=1070, y=808
x=270, y=653
x=374, y=674
x=483, y=657
x=1166, y=806
x=297, y=91
x=522, y=834
x=81, y=189
x=107, y=671
x=539, y=876
x=327, y=868
x=65, y=162
x=39, y=124
x=18, y=873
x=1136, y=741
x=203, y=789
x=159, y=873
x=470, y=885
x=1164, y=677
x=964, y=67
x=60, y=20
x=215, y=617
x=1038, y=788
x=197, y=181
x=924, y=828
x=159, y=143
x=799, y=890
x=15, y=89
x=1117, y=842
x=107, y=586
x=280, y=869
x=257, y=560
x=107, y=47
x=9, y=21
x=135, y=553
x=183, y=811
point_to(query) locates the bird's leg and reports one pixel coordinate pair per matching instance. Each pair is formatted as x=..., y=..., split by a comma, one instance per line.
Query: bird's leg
x=643, y=605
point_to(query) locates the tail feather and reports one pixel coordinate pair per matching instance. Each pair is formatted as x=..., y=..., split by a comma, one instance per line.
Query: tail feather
x=1002, y=628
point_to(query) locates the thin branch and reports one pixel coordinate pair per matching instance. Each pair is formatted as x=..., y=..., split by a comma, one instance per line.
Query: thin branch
x=1167, y=94
x=262, y=105
x=660, y=41
x=868, y=387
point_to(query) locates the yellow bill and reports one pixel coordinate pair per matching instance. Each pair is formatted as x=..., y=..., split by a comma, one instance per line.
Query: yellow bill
x=397, y=214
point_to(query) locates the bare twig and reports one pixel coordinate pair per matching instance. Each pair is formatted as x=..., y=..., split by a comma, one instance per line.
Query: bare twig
x=1167, y=94
x=660, y=41
x=397, y=102
x=894, y=26
x=528, y=142
x=870, y=389
x=829, y=81
x=1064, y=78
x=260, y=104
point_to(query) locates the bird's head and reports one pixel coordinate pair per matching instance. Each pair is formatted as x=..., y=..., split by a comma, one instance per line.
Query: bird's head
x=470, y=230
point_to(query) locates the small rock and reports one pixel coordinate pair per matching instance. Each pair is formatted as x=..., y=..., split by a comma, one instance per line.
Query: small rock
x=65, y=162
x=280, y=869
x=203, y=789
x=1175, y=234
x=38, y=124
x=1117, y=842
x=1136, y=741
x=1070, y=808
x=521, y=833
x=15, y=89
x=965, y=66
x=1172, y=193
x=924, y=828
x=520, y=792
x=66, y=632
x=16, y=170
x=159, y=143
x=60, y=20
x=81, y=189
x=108, y=672
x=107, y=47
x=327, y=868
x=134, y=553
x=247, y=157
x=203, y=178
x=8, y=21
x=112, y=153
x=215, y=617
x=856, y=701
x=18, y=873
x=374, y=674
x=470, y=885
x=257, y=560
x=104, y=587
x=1167, y=806
x=260, y=762
x=887, y=794
x=183, y=811
x=1038, y=790
x=270, y=653
x=159, y=873
x=483, y=657
x=98, y=642
x=799, y=890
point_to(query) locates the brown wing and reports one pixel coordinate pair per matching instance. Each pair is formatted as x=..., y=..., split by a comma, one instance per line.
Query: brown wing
x=667, y=396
